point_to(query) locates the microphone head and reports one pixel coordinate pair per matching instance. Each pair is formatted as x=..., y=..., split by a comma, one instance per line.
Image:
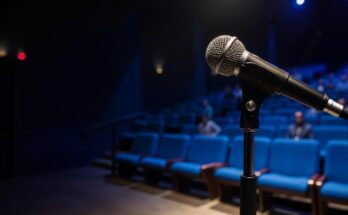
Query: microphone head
x=224, y=54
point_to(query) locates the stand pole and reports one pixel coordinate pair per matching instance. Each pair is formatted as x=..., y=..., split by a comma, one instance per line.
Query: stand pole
x=248, y=179
x=249, y=122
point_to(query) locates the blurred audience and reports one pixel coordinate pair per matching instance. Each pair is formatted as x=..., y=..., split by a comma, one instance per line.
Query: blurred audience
x=311, y=113
x=342, y=101
x=228, y=94
x=206, y=109
x=331, y=81
x=208, y=127
x=343, y=83
x=300, y=129
x=297, y=75
x=320, y=85
x=237, y=91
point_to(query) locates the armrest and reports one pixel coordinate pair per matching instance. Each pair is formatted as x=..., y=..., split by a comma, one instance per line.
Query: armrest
x=320, y=180
x=173, y=160
x=212, y=165
x=313, y=179
x=170, y=162
x=261, y=172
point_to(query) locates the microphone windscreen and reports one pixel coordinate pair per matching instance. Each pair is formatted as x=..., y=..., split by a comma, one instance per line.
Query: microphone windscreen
x=223, y=56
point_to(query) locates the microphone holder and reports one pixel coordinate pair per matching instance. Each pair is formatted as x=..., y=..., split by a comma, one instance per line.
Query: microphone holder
x=249, y=121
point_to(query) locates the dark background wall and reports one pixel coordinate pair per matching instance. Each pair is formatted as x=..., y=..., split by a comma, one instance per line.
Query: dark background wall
x=92, y=61
x=83, y=67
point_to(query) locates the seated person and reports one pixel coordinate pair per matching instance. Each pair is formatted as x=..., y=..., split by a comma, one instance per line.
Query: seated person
x=208, y=127
x=342, y=101
x=300, y=129
x=206, y=109
x=342, y=85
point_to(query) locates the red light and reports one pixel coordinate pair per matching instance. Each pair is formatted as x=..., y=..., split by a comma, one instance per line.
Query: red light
x=21, y=56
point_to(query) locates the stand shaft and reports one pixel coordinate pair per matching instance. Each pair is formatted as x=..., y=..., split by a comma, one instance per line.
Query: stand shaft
x=248, y=179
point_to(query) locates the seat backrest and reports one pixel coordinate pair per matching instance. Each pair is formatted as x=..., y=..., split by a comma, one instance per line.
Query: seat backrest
x=261, y=152
x=325, y=133
x=205, y=149
x=266, y=131
x=274, y=120
x=282, y=131
x=330, y=120
x=224, y=121
x=232, y=131
x=145, y=143
x=294, y=157
x=172, y=145
x=154, y=126
x=336, y=161
x=190, y=129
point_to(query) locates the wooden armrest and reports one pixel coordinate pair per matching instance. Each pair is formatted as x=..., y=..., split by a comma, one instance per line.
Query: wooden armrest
x=261, y=172
x=173, y=160
x=319, y=182
x=170, y=162
x=213, y=165
x=313, y=179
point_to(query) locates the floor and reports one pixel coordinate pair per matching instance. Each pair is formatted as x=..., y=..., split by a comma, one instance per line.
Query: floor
x=87, y=191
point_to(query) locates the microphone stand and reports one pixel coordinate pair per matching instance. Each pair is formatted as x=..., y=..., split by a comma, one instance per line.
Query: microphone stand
x=251, y=101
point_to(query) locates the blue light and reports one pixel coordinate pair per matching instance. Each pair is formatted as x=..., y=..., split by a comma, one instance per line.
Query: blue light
x=300, y=2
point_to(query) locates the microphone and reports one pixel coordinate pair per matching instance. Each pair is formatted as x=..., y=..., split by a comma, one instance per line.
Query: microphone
x=226, y=55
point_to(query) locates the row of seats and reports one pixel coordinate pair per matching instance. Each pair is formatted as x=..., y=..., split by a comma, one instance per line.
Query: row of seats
x=323, y=134
x=266, y=120
x=282, y=165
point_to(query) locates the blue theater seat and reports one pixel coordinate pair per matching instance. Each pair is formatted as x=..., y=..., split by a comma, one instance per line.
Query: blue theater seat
x=285, y=111
x=232, y=131
x=326, y=133
x=293, y=168
x=266, y=131
x=204, y=155
x=282, y=131
x=274, y=120
x=171, y=147
x=330, y=120
x=137, y=125
x=230, y=175
x=191, y=129
x=144, y=144
x=154, y=126
x=333, y=185
x=224, y=121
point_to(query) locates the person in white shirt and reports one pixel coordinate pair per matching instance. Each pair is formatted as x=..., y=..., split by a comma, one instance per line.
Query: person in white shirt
x=208, y=127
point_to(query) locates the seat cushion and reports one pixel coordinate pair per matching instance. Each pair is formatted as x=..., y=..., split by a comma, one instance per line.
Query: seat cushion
x=229, y=173
x=290, y=183
x=335, y=190
x=187, y=168
x=154, y=162
x=128, y=158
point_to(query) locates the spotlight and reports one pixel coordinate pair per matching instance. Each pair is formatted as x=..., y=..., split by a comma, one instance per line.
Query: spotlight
x=300, y=2
x=3, y=52
x=159, y=70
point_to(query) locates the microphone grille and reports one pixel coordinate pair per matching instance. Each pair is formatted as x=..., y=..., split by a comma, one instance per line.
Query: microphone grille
x=223, y=56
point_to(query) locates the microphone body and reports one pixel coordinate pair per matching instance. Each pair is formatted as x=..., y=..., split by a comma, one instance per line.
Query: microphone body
x=227, y=56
